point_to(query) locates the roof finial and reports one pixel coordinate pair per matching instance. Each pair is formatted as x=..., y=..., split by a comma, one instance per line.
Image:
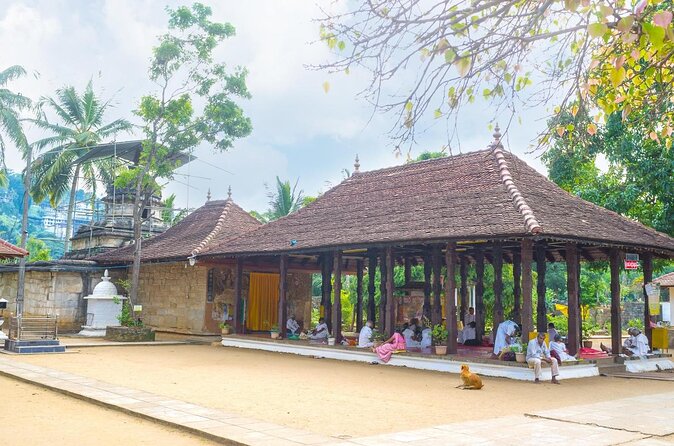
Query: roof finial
x=497, y=136
x=208, y=195
x=229, y=193
x=356, y=165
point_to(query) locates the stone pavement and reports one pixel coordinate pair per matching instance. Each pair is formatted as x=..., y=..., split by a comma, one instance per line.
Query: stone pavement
x=608, y=423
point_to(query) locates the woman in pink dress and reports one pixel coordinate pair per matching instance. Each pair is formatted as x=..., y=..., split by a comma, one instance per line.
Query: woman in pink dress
x=391, y=345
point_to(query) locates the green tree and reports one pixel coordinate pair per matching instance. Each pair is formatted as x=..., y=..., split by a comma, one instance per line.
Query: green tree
x=283, y=200
x=38, y=250
x=169, y=214
x=194, y=104
x=79, y=127
x=10, y=105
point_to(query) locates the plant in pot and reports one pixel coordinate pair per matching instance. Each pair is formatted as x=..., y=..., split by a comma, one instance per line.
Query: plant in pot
x=439, y=336
x=274, y=332
x=225, y=328
x=520, y=352
x=588, y=328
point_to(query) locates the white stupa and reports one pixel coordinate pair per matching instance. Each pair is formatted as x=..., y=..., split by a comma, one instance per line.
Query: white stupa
x=104, y=305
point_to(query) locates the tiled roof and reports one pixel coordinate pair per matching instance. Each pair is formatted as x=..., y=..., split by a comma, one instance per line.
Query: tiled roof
x=8, y=251
x=666, y=280
x=214, y=222
x=483, y=194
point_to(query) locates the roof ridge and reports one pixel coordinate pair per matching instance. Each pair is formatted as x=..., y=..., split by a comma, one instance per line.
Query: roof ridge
x=216, y=229
x=530, y=222
x=14, y=248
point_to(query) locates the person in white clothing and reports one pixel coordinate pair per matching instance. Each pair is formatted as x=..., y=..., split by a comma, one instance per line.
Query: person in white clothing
x=320, y=333
x=505, y=336
x=636, y=344
x=409, y=334
x=469, y=317
x=426, y=338
x=538, y=352
x=558, y=346
x=292, y=327
x=365, y=336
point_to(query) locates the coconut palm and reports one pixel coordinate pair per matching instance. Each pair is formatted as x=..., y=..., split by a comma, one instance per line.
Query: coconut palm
x=10, y=125
x=78, y=129
x=283, y=200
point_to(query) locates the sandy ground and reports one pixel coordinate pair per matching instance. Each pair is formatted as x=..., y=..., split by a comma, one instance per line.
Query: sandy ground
x=327, y=396
x=36, y=416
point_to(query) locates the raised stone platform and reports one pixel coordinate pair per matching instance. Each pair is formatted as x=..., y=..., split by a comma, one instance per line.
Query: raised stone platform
x=452, y=364
x=649, y=364
x=36, y=346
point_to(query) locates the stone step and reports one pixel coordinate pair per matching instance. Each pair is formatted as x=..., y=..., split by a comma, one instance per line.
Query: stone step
x=24, y=343
x=40, y=349
x=609, y=369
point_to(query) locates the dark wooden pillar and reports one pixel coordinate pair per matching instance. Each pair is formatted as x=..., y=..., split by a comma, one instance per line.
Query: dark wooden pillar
x=390, y=301
x=580, y=303
x=463, y=291
x=498, y=284
x=541, y=310
x=408, y=270
x=648, y=278
x=337, y=298
x=371, y=287
x=282, y=291
x=450, y=291
x=238, y=298
x=383, y=269
x=436, y=315
x=616, y=323
x=427, y=285
x=527, y=289
x=573, y=297
x=479, y=294
x=517, y=288
x=326, y=289
x=359, y=295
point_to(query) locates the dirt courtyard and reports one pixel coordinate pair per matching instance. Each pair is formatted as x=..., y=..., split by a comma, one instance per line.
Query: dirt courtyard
x=326, y=396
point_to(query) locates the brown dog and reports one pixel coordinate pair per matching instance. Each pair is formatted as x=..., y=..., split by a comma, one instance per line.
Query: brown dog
x=471, y=381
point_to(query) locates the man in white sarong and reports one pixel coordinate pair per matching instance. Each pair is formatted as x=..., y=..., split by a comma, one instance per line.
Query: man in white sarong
x=320, y=333
x=636, y=344
x=505, y=336
x=426, y=338
x=538, y=352
x=292, y=327
x=365, y=336
x=467, y=333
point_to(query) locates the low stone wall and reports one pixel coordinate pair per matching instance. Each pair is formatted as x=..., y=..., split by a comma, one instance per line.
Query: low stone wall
x=129, y=334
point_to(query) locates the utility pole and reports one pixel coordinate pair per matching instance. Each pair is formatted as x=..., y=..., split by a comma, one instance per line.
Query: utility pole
x=20, y=289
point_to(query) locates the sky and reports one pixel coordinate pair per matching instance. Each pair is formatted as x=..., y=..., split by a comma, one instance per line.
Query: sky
x=299, y=131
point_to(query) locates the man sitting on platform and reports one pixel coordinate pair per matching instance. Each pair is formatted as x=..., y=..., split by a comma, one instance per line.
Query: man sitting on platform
x=365, y=336
x=320, y=333
x=292, y=327
x=636, y=344
x=409, y=333
x=537, y=352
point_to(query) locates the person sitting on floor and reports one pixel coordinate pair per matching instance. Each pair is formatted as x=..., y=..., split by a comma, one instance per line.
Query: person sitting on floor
x=538, y=352
x=558, y=346
x=320, y=333
x=469, y=317
x=552, y=331
x=393, y=344
x=505, y=336
x=292, y=327
x=469, y=335
x=409, y=333
x=426, y=338
x=365, y=336
x=636, y=344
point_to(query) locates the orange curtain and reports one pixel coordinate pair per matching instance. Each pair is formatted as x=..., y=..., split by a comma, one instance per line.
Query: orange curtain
x=262, y=301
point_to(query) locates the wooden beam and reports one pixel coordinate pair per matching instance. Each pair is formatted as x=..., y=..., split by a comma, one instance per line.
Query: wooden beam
x=427, y=285
x=541, y=310
x=527, y=289
x=517, y=288
x=337, y=299
x=383, y=269
x=463, y=292
x=497, y=252
x=572, y=291
x=239, y=318
x=390, y=301
x=450, y=290
x=282, y=291
x=616, y=329
x=371, y=287
x=359, y=295
x=436, y=315
x=479, y=294
x=648, y=278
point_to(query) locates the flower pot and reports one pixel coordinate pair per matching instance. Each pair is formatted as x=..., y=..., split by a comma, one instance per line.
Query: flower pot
x=440, y=349
x=521, y=357
x=274, y=334
x=331, y=341
x=225, y=331
x=587, y=344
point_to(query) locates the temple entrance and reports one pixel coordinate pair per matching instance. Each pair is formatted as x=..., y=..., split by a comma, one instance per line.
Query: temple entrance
x=263, y=295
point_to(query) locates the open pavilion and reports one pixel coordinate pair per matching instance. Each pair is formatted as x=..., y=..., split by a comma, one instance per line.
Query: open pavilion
x=484, y=206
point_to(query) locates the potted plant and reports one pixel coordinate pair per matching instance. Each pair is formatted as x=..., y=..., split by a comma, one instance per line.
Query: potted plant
x=274, y=332
x=588, y=328
x=439, y=336
x=520, y=353
x=225, y=328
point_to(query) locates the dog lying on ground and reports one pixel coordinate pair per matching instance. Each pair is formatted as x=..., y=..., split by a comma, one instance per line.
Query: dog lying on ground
x=471, y=381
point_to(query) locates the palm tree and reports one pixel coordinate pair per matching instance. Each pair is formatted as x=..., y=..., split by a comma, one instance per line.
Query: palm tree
x=79, y=129
x=284, y=200
x=10, y=126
